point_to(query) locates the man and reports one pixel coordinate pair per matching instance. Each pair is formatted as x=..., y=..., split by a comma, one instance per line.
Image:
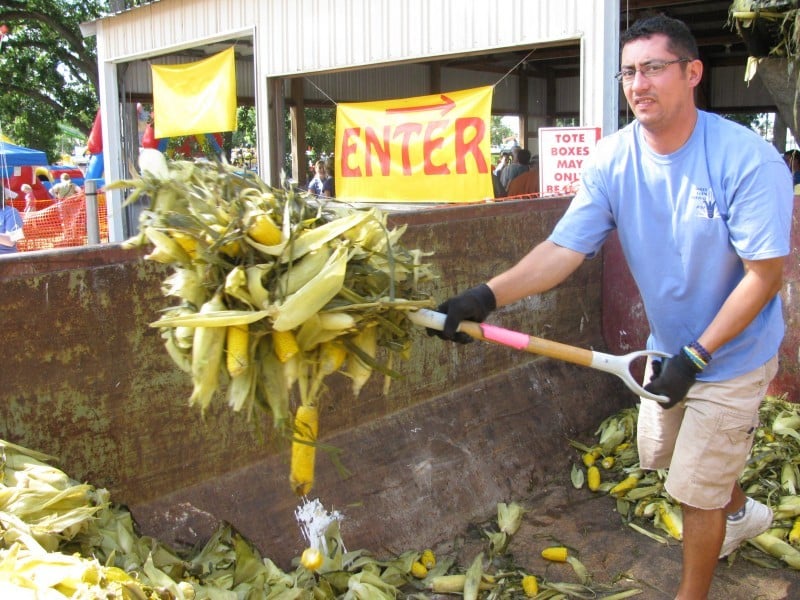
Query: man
x=64, y=188
x=702, y=207
x=520, y=163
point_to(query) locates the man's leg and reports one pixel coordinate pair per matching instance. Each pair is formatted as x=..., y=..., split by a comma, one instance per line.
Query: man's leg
x=703, y=531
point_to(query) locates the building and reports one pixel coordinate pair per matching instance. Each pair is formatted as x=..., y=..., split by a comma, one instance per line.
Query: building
x=550, y=61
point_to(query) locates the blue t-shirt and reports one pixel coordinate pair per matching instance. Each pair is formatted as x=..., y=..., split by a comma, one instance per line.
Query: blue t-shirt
x=11, y=221
x=318, y=186
x=685, y=221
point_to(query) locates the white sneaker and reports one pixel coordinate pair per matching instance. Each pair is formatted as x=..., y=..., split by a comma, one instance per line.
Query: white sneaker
x=756, y=520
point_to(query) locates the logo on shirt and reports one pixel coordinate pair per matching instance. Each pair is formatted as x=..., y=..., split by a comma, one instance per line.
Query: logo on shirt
x=705, y=207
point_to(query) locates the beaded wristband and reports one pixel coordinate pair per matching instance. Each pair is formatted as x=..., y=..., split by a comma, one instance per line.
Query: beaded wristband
x=704, y=354
x=695, y=358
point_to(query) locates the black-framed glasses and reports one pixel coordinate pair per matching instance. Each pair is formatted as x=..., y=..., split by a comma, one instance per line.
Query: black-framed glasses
x=651, y=69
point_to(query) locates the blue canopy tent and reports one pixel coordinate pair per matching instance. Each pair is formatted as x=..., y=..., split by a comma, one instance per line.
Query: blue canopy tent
x=19, y=156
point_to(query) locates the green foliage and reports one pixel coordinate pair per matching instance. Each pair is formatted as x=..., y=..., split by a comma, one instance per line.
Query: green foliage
x=320, y=130
x=49, y=71
x=499, y=131
x=245, y=134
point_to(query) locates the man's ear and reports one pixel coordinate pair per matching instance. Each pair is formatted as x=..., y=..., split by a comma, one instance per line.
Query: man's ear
x=695, y=72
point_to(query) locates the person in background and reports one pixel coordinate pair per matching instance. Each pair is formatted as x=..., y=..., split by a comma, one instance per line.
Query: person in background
x=520, y=162
x=526, y=184
x=64, y=188
x=10, y=227
x=792, y=158
x=703, y=210
x=30, y=199
x=322, y=183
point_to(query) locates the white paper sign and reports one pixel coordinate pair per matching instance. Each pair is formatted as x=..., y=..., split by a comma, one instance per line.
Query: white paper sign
x=562, y=154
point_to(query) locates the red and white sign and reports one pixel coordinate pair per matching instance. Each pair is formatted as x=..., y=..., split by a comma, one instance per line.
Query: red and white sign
x=562, y=155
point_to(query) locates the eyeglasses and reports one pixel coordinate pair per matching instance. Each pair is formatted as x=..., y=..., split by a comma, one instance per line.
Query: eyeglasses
x=651, y=69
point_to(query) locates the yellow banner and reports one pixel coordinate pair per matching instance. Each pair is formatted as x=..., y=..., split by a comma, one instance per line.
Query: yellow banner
x=425, y=149
x=197, y=97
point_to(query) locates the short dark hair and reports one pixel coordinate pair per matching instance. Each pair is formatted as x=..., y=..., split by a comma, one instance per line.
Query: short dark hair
x=523, y=156
x=681, y=41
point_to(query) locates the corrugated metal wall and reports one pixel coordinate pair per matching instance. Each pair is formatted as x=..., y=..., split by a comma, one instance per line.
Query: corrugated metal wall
x=318, y=35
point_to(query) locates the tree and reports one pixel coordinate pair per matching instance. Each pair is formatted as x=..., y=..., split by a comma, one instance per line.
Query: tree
x=48, y=69
x=499, y=130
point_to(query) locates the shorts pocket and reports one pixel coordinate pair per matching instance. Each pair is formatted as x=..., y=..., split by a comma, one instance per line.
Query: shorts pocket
x=738, y=428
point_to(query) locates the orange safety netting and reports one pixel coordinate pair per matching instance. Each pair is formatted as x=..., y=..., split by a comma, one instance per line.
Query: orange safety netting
x=62, y=224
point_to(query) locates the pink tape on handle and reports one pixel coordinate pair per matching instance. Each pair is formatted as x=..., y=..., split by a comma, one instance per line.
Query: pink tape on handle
x=506, y=337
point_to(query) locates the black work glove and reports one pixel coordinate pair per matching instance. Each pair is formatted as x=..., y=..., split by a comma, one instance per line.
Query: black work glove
x=473, y=305
x=672, y=377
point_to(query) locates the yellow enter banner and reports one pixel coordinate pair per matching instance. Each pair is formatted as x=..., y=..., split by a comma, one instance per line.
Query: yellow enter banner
x=425, y=149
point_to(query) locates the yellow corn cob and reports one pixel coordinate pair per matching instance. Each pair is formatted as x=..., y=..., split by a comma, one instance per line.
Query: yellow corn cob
x=264, y=230
x=593, y=478
x=284, y=344
x=312, y=559
x=670, y=520
x=607, y=462
x=588, y=459
x=794, y=534
x=530, y=586
x=306, y=424
x=626, y=484
x=187, y=242
x=555, y=554
x=419, y=570
x=238, y=351
x=312, y=239
x=428, y=559
x=331, y=357
x=230, y=248
x=314, y=295
x=207, y=350
x=166, y=250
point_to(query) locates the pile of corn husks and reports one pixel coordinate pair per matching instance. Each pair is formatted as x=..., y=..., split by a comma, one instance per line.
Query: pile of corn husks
x=63, y=539
x=611, y=465
x=270, y=291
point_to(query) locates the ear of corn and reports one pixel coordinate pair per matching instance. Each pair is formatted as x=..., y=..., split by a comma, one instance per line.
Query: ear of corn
x=274, y=387
x=418, y=570
x=473, y=580
x=359, y=366
x=306, y=427
x=331, y=357
x=285, y=345
x=315, y=294
x=237, y=346
x=555, y=554
x=530, y=586
x=302, y=271
x=255, y=284
x=593, y=478
x=263, y=229
x=207, y=350
x=241, y=389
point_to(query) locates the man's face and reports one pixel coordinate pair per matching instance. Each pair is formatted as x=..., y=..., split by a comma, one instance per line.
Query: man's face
x=661, y=99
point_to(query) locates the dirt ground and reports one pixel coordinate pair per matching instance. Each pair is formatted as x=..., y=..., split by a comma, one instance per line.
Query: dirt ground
x=616, y=554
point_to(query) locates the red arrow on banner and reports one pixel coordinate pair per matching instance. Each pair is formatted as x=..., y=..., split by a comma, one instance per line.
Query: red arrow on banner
x=446, y=106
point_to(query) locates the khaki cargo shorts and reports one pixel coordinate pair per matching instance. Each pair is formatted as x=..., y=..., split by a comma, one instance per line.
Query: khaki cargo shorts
x=704, y=440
